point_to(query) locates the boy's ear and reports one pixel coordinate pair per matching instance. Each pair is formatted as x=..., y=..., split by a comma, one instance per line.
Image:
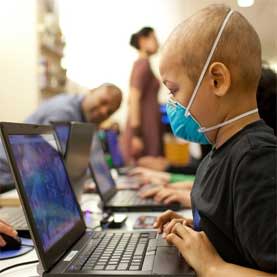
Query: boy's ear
x=220, y=78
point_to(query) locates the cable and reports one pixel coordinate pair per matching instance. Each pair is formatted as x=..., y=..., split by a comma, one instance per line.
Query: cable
x=16, y=265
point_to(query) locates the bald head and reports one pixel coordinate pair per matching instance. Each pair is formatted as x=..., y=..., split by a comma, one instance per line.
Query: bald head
x=101, y=102
x=238, y=49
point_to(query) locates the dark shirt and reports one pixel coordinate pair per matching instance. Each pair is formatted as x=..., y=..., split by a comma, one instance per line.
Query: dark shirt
x=235, y=194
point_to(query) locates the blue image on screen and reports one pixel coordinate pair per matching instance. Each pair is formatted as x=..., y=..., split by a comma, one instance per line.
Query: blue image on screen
x=62, y=132
x=45, y=182
x=112, y=140
x=100, y=168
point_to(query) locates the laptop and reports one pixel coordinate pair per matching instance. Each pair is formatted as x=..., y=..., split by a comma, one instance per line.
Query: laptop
x=68, y=135
x=115, y=152
x=113, y=199
x=64, y=246
x=76, y=155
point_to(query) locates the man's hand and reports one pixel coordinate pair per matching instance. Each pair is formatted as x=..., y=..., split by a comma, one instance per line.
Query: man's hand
x=195, y=247
x=6, y=229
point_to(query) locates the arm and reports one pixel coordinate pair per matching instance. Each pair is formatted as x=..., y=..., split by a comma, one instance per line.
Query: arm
x=200, y=254
x=226, y=269
x=135, y=109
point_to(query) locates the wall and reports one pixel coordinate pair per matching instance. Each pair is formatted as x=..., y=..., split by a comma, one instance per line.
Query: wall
x=97, y=37
x=97, y=34
x=18, y=58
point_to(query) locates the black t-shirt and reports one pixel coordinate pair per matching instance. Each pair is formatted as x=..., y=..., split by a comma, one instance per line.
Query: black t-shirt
x=234, y=198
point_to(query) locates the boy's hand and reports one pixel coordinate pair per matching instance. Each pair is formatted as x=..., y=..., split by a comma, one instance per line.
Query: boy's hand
x=168, y=219
x=195, y=247
x=6, y=229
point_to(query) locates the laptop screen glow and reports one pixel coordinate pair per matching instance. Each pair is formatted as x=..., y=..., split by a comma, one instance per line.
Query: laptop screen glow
x=112, y=140
x=100, y=168
x=46, y=185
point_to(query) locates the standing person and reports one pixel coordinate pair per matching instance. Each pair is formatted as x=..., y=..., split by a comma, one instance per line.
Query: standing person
x=143, y=134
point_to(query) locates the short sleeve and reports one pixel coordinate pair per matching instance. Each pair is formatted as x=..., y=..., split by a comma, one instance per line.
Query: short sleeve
x=140, y=74
x=255, y=215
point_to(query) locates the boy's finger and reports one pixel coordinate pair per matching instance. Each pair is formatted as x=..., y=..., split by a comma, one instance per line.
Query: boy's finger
x=163, y=218
x=175, y=240
x=180, y=230
x=171, y=224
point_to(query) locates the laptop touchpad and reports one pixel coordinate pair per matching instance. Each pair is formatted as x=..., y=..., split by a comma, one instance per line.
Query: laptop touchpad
x=169, y=261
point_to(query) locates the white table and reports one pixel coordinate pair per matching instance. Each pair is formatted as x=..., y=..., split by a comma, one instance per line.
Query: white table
x=89, y=202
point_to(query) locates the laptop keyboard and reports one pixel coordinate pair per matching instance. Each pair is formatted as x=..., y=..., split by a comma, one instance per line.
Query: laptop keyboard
x=130, y=198
x=116, y=252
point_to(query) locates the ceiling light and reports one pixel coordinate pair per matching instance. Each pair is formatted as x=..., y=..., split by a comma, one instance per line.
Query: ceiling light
x=245, y=3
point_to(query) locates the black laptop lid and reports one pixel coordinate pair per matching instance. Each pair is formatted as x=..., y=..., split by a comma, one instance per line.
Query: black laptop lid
x=49, y=203
x=78, y=153
x=100, y=170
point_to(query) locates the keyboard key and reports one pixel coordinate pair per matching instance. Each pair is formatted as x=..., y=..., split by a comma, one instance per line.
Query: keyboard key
x=134, y=268
x=140, y=249
x=110, y=267
x=122, y=266
x=99, y=267
x=148, y=263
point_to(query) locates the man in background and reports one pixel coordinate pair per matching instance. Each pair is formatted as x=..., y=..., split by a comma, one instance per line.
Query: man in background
x=95, y=107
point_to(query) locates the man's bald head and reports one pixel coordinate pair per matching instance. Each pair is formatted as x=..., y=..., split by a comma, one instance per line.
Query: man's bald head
x=239, y=47
x=101, y=102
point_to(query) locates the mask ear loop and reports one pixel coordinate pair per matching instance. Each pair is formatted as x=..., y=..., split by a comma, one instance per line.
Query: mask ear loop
x=205, y=130
x=208, y=61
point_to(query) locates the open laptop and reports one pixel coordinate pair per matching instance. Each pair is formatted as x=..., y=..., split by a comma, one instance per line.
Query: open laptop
x=113, y=199
x=115, y=152
x=74, y=142
x=62, y=243
x=77, y=151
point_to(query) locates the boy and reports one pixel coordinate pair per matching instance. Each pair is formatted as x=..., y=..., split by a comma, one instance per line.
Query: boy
x=211, y=64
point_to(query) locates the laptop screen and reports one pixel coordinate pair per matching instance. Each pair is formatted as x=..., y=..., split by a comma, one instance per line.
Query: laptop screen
x=45, y=182
x=62, y=132
x=101, y=171
x=112, y=141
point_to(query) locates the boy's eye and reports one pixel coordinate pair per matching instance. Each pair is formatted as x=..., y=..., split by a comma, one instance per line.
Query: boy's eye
x=173, y=91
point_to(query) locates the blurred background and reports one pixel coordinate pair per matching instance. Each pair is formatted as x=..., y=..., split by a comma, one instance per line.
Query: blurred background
x=53, y=46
